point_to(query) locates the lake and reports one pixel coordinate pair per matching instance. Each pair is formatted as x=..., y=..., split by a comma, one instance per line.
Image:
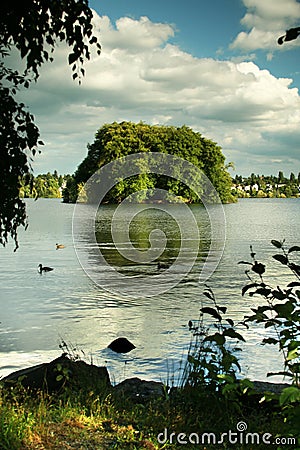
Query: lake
x=81, y=303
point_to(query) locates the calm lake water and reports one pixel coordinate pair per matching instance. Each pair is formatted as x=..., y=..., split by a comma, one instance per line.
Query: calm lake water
x=39, y=311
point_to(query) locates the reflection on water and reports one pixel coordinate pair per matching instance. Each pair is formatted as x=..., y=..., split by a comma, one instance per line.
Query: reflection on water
x=143, y=251
x=141, y=227
x=37, y=311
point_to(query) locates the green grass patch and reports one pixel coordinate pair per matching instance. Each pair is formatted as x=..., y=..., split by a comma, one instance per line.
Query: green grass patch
x=110, y=421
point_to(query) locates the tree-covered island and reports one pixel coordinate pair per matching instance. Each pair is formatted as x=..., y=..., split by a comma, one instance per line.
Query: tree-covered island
x=117, y=140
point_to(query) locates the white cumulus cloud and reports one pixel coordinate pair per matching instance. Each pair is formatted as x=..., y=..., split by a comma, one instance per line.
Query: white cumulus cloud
x=140, y=76
x=265, y=21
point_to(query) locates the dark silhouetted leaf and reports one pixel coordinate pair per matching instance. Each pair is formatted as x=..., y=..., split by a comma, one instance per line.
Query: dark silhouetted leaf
x=285, y=309
x=270, y=341
x=281, y=258
x=263, y=308
x=247, y=287
x=212, y=312
x=276, y=243
x=208, y=294
x=263, y=291
x=295, y=268
x=217, y=338
x=72, y=58
x=233, y=334
x=294, y=284
x=277, y=293
x=295, y=248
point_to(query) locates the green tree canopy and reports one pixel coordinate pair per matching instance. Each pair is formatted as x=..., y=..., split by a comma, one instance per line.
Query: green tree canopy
x=32, y=28
x=116, y=140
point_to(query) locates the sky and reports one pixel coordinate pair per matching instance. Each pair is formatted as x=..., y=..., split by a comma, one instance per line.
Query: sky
x=212, y=65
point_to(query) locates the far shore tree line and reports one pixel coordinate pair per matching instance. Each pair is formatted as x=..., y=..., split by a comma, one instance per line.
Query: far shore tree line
x=53, y=185
x=266, y=186
x=46, y=185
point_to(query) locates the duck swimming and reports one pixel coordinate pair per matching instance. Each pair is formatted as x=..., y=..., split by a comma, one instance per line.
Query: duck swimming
x=44, y=269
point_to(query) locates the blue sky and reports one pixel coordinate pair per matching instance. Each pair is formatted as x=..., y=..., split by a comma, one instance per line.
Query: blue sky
x=212, y=65
x=205, y=28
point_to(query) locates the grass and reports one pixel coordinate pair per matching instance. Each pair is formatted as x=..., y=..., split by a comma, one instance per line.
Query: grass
x=87, y=420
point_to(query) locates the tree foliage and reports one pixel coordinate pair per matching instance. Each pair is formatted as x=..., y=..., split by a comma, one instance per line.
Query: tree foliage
x=32, y=28
x=116, y=140
x=267, y=185
x=47, y=185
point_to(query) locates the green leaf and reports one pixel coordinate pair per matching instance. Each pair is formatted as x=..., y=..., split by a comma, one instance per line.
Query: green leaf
x=226, y=377
x=289, y=395
x=292, y=354
x=294, y=344
x=246, y=384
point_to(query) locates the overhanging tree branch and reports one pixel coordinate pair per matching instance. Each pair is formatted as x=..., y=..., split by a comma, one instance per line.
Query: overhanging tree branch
x=289, y=35
x=32, y=28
